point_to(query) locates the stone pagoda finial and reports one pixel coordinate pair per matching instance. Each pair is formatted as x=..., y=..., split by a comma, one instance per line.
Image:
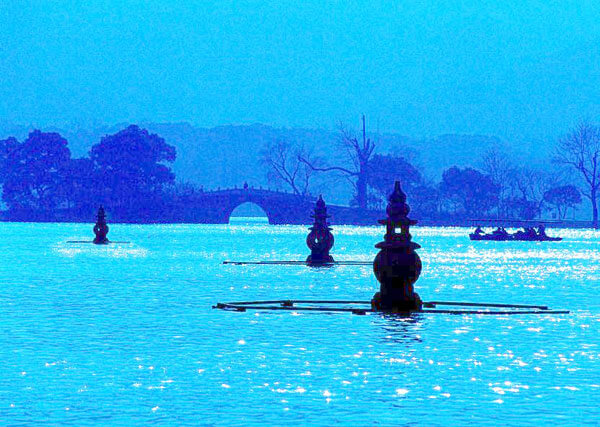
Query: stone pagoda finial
x=101, y=229
x=397, y=266
x=319, y=240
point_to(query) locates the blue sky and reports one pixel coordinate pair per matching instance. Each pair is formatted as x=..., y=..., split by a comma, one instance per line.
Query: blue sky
x=520, y=70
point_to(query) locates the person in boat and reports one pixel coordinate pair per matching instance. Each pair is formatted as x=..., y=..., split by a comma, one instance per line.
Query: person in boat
x=479, y=231
x=541, y=231
x=500, y=231
x=529, y=233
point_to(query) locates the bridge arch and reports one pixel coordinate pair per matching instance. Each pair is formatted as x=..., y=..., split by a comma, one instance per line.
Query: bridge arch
x=279, y=207
x=248, y=209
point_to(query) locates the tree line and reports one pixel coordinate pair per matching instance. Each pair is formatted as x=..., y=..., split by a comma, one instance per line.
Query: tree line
x=498, y=188
x=127, y=171
x=130, y=171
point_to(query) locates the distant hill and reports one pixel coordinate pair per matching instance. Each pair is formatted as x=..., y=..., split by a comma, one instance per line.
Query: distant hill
x=226, y=156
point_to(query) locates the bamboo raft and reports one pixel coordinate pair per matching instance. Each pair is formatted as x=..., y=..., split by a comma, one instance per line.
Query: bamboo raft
x=347, y=306
x=282, y=262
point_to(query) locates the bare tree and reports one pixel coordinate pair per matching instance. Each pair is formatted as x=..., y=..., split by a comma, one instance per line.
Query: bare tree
x=532, y=184
x=282, y=159
x=359, y=153
x=497, y=165
x=580, y=149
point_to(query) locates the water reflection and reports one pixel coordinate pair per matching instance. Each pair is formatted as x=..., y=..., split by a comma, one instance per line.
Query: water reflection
x=398, y=328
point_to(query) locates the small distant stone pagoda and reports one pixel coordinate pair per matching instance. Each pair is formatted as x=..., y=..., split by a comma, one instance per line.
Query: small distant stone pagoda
x=397, y=266
x=101, y=229
x=319, y=240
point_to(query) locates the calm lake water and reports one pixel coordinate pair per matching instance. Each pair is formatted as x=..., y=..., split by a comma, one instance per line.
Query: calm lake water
x=125, y=334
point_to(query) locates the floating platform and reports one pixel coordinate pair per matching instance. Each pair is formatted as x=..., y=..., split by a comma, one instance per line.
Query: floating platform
x=322, y=264
x=99, y=244
x=364, y=307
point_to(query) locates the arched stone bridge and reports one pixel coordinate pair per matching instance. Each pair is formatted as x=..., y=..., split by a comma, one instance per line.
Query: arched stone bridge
x=216, y=206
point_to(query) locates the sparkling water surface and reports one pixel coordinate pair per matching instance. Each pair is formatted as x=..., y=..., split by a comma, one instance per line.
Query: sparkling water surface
x=125, y=334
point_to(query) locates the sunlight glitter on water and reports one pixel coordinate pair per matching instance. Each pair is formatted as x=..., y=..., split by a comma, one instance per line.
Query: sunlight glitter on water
x=96, y=319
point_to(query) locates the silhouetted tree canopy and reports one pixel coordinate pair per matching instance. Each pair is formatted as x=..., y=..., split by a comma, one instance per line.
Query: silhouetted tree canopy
x=34, y=171
x=384, y=170
x=7, y=146
x=130, y=167
x=79, y=186
x=425, y=201
x=562, y=198
x=470, y=192
x=521, y=208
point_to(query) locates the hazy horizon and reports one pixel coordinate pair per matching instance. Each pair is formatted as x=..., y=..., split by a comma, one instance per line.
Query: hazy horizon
x=353, y=126
x=519, y=70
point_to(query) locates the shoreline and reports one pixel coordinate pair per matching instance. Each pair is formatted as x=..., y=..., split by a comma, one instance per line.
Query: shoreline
x=467, y=223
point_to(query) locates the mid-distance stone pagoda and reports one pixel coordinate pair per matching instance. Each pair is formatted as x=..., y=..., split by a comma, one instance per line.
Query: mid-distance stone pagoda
x=319, y=240
x=101, y=229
